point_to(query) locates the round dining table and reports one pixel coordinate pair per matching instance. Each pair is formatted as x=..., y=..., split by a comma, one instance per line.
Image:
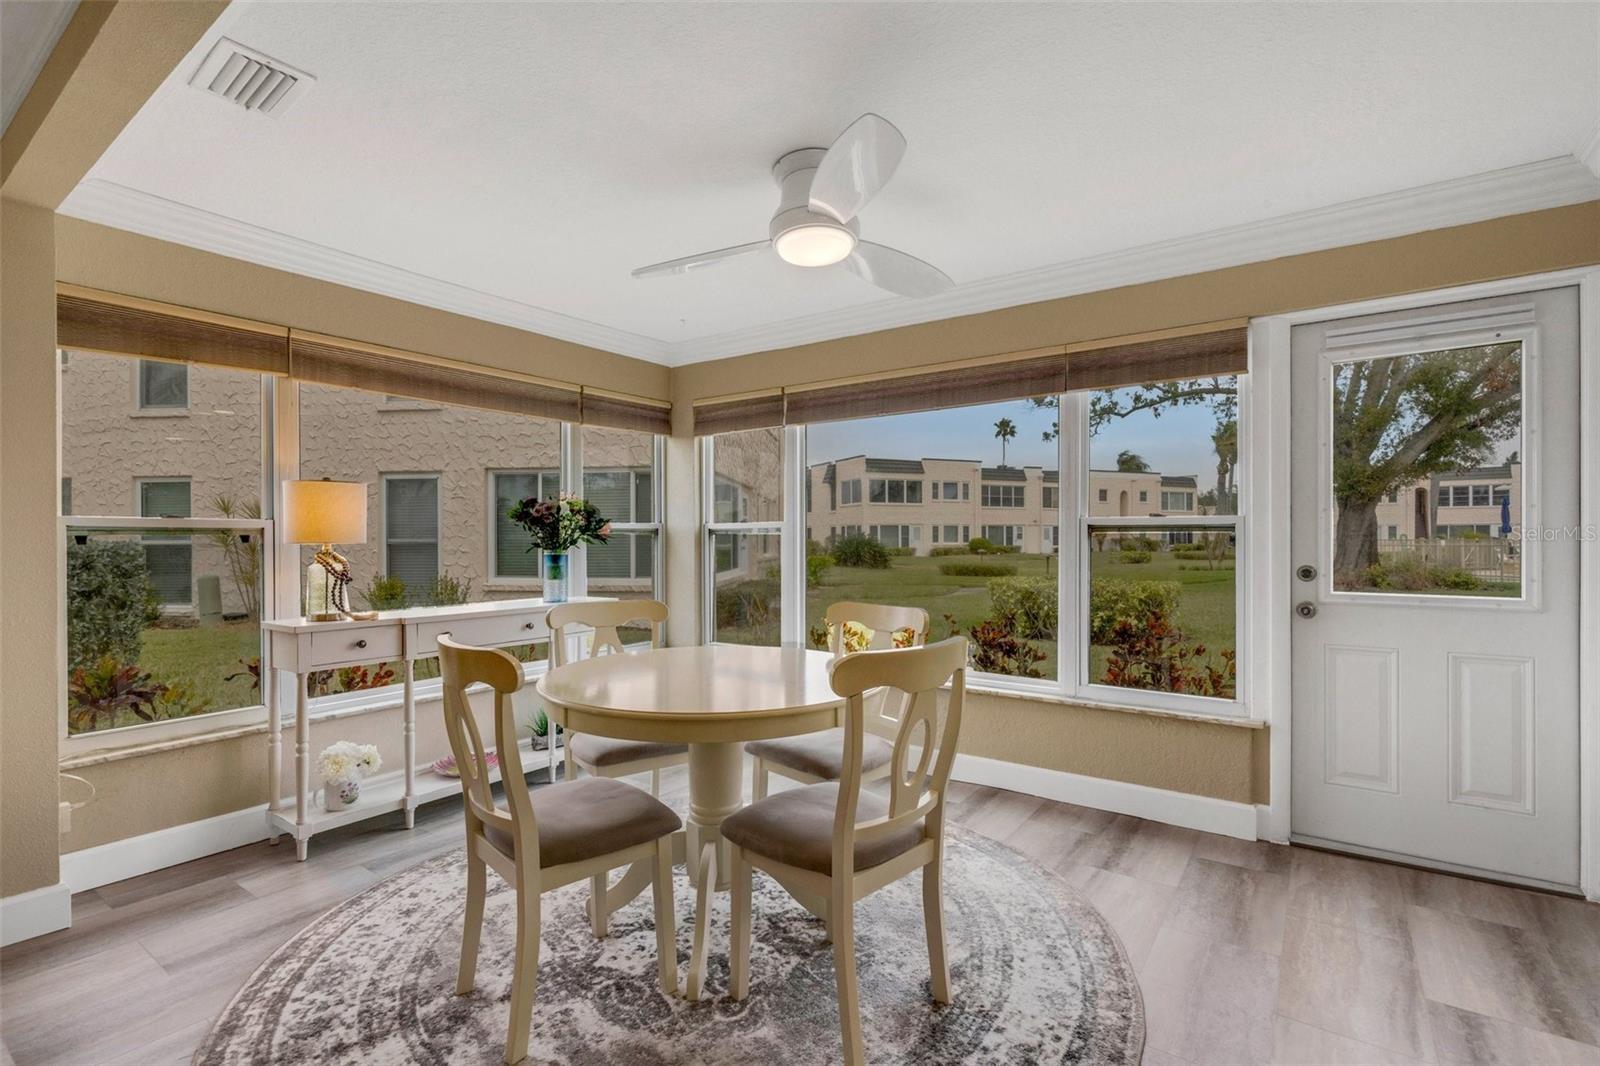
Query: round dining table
x=712, y=698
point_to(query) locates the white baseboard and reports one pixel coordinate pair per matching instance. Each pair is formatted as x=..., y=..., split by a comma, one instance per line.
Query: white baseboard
x=1156, y=804
x=30, y=914
x=122, y=859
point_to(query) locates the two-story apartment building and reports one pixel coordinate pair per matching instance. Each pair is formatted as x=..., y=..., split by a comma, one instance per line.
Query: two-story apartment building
x=1472, y=502
x=924, y=504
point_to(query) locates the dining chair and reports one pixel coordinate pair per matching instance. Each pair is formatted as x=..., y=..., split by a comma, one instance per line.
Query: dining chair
x=544, y=838
x=605, y=756
x=831, y=844
x=819, y=756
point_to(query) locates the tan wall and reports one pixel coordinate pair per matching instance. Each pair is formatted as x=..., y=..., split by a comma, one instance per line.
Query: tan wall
x=29, y=686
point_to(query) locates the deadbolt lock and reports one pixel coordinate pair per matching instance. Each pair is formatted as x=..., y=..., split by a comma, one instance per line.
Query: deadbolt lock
x=1305, y=609
x=1306, y=572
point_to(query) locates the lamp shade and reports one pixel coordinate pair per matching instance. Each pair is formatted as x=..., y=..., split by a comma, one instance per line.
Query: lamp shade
x=324, y=512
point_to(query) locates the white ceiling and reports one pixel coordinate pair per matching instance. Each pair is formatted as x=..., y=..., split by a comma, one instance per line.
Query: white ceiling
x=517, y=161
x=29, y=30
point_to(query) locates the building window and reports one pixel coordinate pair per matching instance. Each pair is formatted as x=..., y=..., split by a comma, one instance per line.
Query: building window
x=411, y=529
x=1144, y=496
x=510, y=557
x=744, y=542
x=896, y=536
x=1460, y=496
x=1101, y=495
x=850, y=491
x=1004, y=495
x=1480, y=495
x=950, y=492
x=1052, y=497
x=1180, y=567
x=619, y=477
x=894, y=490
x=155, y=495
x=163, y=386
x=952, y=535
x=1003, y=536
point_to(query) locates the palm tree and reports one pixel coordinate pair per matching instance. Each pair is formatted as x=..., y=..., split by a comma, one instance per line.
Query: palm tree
x=1131, y=463
x=1006, y=430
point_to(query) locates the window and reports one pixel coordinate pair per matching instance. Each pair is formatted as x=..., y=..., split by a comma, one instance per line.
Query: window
x=850, y=491
x=1102, y=493
x=1175, y=570
x=192, y=657
x=1480, y=495
x=1052, y=497
x=1460, y=496
x=511, y=558
x=619, y=477
x=411, y=529
x=744, y=536
x=1393, y=533
x=1022, y=642
x=163, y=386
x=894, y=490
x=1500, y=495
x=1003, y=495
x=1144, y=496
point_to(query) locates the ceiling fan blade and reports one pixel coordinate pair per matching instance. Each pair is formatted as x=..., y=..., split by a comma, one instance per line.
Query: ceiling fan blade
x=859, y=163
x=695, y=262
x=902, y=274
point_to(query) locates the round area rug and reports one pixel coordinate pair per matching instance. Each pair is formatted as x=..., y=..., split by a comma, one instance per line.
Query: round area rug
x=1037, y=975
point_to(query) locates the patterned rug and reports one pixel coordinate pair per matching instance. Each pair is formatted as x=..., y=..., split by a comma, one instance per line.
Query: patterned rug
x=1037, y=975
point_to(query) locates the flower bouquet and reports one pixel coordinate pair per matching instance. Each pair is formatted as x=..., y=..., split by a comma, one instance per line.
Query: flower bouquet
x=556, y=527
x=343, y=767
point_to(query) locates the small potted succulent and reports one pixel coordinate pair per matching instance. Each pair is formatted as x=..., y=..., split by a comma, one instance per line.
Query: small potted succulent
x=343, y=767
x=556, y=527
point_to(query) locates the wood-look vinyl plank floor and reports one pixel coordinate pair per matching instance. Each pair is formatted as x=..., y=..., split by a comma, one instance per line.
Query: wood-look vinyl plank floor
x=1246, y=952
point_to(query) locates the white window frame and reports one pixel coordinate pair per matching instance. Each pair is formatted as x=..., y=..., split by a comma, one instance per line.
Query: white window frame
x=657, y=501
x=272, y=594
x=789, y=529
x=158, y=410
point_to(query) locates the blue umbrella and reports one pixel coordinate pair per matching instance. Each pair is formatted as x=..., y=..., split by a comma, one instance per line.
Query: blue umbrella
x=1505, y=515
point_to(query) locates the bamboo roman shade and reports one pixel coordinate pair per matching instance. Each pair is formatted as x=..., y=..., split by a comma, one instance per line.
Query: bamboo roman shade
x=90, y=321
x=1203, y=351
x=353, y=365
x=1192, y=355
x=615, y=411
x=730, y=414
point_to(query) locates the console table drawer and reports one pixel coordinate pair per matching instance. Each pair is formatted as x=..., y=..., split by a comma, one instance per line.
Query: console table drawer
x=502, y=631
x=373, y=644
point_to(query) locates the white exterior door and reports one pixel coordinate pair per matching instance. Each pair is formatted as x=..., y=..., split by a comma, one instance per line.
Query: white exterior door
x=1436, y=544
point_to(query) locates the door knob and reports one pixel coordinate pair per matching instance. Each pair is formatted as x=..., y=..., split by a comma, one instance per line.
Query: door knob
x=1305, y=609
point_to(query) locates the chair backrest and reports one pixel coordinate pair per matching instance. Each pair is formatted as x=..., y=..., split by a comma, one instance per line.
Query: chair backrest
x=462, y=665
x=606, y=617
x=915, y=791
x=886, y=623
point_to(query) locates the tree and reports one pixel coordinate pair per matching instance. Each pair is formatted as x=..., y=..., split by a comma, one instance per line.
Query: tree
x=1006, y=430
x=1403, y=418
x=1131, y=463
x=1225, y=442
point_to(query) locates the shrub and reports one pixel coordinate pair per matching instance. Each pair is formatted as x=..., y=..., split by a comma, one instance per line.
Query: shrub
x=860, y=551
x=1152, y=653
x=109, y=602
x=1133, y=557
x=816, y=566
x=99, y=692
x=937, y=553
x=1413, y=573
x=996, y=648
x=1139, y=544
x=446, y=591
x=959, y=569
x=980, y=546
x=386, y=593
x=1030, y=600
x=1113, y=599
x=747, y=604
x=901, y=553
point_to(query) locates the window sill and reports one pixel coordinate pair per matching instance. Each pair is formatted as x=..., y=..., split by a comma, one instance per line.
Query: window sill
x=160, y=412
x=1040, y=695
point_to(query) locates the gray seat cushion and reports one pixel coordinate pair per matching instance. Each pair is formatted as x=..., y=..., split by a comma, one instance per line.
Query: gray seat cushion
x=795, y=827
x=607, y=751
x=591, y=816
x=821, y=755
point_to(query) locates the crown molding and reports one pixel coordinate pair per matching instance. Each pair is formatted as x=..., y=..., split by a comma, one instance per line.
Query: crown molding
x=120, y=207
x=1514, y=190
x=1530, y=187
x=1589, y=153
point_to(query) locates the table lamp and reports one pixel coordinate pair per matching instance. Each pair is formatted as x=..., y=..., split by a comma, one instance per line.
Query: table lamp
x=326, y=513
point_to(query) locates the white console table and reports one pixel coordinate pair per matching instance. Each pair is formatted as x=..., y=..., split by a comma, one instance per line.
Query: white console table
x=300, y=646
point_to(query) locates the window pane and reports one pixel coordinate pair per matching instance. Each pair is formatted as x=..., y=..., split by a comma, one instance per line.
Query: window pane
x=749, y=476
x=452, y=473
x=1176, y=438
x=108, y=450
x=748, y=591
x=163, y=384
x=160, y=624
x=1457, y=503
x=1006, y=603
x=1162, y=610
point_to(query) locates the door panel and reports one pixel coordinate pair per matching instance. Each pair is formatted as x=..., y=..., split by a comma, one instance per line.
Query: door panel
x=1435, y=654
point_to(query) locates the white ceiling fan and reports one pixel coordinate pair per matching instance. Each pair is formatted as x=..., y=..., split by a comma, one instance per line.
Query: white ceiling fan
x=822, y=191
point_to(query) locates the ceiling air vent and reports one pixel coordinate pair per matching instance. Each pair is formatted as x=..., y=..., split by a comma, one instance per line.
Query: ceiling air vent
x=249, y=79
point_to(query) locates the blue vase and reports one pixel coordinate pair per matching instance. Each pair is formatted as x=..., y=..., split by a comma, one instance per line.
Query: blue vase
x=555, y=577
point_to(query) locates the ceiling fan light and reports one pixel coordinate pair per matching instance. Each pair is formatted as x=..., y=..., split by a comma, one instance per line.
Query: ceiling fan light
x=814, y=245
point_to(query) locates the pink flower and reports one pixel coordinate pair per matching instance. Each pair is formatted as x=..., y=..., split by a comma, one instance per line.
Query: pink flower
x=605, y=530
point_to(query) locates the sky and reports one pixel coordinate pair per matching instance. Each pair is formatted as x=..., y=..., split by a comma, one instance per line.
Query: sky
x=1178, y=442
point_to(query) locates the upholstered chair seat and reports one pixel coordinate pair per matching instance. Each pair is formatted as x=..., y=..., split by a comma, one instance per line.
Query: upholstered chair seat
x=592, y=816
x=821, y=755
x=796, y=828
x=589, y=750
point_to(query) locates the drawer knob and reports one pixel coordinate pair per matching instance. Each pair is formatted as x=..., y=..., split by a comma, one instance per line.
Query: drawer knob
x=361, y=643
x=527, y=625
